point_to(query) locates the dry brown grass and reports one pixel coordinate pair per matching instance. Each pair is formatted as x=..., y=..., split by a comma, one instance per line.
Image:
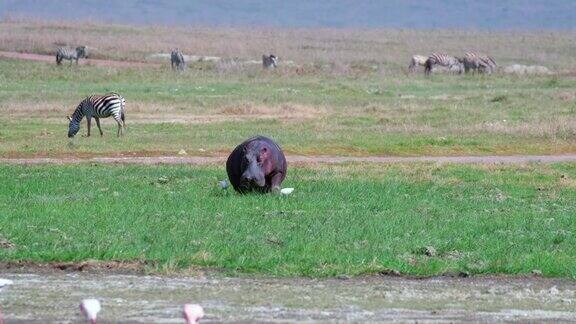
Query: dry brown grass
x=344, y=49
x=152, y=113
x=284, y=111
x=552, y=128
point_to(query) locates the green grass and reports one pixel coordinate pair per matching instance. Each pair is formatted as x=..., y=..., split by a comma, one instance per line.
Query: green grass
x=348, y=219
x=369, y=114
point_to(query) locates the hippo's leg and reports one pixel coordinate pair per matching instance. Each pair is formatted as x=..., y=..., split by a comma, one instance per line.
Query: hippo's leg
x=275, y=182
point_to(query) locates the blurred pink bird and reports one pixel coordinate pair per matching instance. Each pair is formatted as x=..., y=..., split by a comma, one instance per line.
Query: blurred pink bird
x=90, y=309
x=193, y=313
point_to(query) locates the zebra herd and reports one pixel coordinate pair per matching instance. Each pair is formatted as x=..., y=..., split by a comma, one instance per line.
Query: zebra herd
x=469, y=62
x=177, y=60
x=475, y=62
x=113, y=104
x=178, y=63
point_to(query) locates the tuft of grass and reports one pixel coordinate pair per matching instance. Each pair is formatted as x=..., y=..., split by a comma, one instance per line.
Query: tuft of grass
x=417, y=219
x=500, y=98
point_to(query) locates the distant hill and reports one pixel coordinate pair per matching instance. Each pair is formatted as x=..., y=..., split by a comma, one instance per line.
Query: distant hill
x=486, y=14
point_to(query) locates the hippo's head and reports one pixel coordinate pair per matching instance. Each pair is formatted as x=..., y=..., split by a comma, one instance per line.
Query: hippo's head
x=256, y=163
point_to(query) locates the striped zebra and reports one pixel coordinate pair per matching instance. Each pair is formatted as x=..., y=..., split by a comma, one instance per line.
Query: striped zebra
x=269, y=62
x=478, y=62
x=177, y=60
x=66, y=53
x=448, y=61
x=111, y=104
x=416, y=61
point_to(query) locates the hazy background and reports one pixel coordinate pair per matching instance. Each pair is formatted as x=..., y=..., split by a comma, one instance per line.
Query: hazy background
x=487, y=14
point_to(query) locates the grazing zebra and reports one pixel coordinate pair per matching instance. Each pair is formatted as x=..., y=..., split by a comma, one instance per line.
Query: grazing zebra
x=478, y=62
x=442, y=60
x=177, y=60
x=111, y=104
x=269, y=62
x=70, y=54
x=417, y=60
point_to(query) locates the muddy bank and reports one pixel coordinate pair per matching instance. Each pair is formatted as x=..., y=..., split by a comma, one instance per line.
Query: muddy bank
x=54, y=298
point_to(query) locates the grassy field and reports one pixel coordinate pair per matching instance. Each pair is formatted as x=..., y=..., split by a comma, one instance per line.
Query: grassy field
x=348, y=219
x=206, y=113
x=345, y=94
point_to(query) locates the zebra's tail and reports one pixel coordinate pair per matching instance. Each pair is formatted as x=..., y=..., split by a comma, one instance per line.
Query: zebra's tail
x=122, y=110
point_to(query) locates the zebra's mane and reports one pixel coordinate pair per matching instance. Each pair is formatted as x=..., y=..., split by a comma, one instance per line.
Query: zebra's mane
x=78, y=113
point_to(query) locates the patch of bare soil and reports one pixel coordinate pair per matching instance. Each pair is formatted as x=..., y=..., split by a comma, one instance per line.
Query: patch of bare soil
x=90, y=266
x=81, y=156
x=282, y=112
x=52, y=59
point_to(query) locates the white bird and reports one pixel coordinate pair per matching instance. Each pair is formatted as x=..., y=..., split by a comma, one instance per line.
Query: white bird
x=193, y=313
x=223, y=184
x=286, y=191
x=90, y=309
x=4, y=283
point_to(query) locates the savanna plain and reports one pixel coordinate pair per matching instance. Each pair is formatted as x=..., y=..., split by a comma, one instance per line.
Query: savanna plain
x=335, y=93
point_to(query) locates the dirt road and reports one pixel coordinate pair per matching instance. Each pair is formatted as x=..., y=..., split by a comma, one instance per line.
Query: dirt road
x=53, y=297
x=52, y=59
x=299, y=159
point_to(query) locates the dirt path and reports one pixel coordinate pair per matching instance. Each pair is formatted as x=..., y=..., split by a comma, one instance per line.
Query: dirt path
x=49, y=298
x=52, y=59
x=299, y=159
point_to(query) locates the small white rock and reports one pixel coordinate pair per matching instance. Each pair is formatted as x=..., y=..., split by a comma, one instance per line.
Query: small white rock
x=182, y=152
x=553, y=291
x=223, y=184
x=286, y=191
x=5, y=283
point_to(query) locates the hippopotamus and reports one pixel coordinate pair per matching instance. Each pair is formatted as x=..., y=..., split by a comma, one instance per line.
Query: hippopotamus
x=258, y=164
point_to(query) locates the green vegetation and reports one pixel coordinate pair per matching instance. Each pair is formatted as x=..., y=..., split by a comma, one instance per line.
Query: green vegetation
x=418, y=219
x=347, y=219
x=206, y=112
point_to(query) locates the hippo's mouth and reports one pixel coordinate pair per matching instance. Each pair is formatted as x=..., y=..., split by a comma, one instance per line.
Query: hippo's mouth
x=259, y=183
x=254, y=182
